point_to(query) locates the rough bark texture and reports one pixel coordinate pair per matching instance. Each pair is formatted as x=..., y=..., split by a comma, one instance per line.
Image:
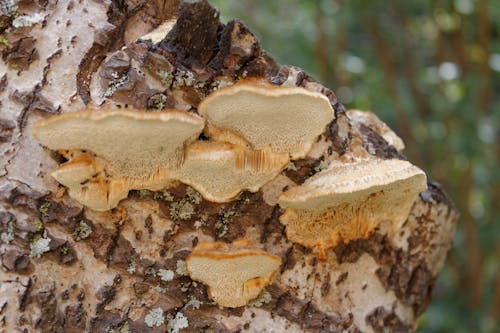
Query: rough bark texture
x=70, y=269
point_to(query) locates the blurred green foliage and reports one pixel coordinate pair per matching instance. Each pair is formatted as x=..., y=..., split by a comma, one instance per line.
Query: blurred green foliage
x=431, y=70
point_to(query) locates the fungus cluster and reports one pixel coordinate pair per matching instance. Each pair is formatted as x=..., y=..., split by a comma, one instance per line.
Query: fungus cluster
x=254, y=129
x=235, y=273
x=348, y=200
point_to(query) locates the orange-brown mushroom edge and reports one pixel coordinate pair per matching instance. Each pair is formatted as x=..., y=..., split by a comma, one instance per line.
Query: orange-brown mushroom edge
x=265, y=116
x=348, y=201
x=234, y=273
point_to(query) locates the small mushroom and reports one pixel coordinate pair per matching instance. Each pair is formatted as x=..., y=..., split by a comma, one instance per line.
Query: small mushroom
x=368, y=118
x=348, y=201
x=135, y=144
x=219, y=171
x=235, y=273
x=266, y=116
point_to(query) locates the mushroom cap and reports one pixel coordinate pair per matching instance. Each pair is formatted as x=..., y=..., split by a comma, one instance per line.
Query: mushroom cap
x=348, y=182
x=219, y=171
x=370, y=119
x=284, y=119
x=83, y=176
x=235, y=273
x=134, y=143
x=348, y=201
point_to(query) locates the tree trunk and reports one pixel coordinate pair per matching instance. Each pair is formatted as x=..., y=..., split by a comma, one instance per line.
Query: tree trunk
x=66, y=268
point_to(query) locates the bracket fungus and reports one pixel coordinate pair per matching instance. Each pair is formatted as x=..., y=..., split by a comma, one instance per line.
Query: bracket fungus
x=266, y=116
x=112, y=152
x=348, y=200
x=219, y=171
x=235, y=273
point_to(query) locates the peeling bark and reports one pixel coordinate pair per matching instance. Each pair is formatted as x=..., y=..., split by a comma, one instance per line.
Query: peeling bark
x=102, y=271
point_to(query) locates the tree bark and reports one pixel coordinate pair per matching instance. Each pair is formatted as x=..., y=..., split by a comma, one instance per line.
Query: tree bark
x=66, y=268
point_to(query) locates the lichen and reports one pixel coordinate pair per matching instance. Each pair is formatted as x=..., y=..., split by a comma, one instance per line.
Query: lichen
x=27, y=21
x=166, y=274
x=166, y=77
x=160, y=289
x=39, y=245
x=321, y=166
x=8, y=7
x=64, y=250
x=177, y=323
x=115, y=84
x=183, y=78
x=132, y=266
x=123, y=328
x=264, y=298
x=193, y=302
x=82, y=231
x=8, y=236
x=291, y=167
x=225, y=218
x=144, y=193
x=193, y=195
x=163, y=195
x=181, y=268
x=154, y=318
x=183, y=210
x=157, y=102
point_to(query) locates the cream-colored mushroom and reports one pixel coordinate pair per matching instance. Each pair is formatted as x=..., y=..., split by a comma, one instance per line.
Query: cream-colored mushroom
x=265, y=116
x=219, y=171
x=134, y=144
x=235, y=273
x=369, y=119
x=347, y=201
x=127, y=149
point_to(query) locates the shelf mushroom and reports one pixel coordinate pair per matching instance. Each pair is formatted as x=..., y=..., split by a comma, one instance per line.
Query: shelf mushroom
x=348, y=201
x=219, y=171
x=118, y=151
x=235, y=273
x=262, y=115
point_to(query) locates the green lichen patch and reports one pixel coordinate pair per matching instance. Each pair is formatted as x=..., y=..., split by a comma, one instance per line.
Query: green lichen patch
x=44, y=210
x=264, y=298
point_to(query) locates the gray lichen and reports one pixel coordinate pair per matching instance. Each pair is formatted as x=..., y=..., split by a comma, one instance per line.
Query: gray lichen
x=155, y=318
x=166, y=274
x=183, y=210
x=115, y=84
x=8, y=7
x=8, y=236
x=39, y=245
x=225, y=218
x=264, y=298
x=177, y=323
x=27, y=21
x=181, y=268
x=82, y=231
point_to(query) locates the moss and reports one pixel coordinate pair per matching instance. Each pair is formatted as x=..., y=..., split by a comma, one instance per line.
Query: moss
x=64, y=250
x=4, y=41
x=44, y=209
x=123, y=328
x=38, y=225
x=82, y=231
